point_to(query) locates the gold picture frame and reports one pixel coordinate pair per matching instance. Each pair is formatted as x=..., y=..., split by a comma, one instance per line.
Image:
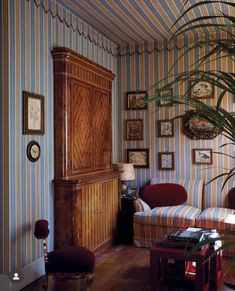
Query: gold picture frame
x=33, y=113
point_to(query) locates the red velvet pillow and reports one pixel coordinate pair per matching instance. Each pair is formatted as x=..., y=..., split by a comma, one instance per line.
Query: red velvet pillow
x=164, y=194
x=231, y=198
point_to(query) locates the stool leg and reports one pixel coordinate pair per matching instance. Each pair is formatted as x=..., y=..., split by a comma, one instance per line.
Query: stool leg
x=45, y=282
x=89, y=280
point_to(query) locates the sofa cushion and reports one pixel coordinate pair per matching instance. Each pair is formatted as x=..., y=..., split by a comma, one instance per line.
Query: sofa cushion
x=164, y=194
x=140, y=205
x=194, y=188
x=176, y=216
x=218, y=218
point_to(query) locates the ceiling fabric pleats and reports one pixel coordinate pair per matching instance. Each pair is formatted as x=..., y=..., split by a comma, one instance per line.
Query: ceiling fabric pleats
x=72, y=19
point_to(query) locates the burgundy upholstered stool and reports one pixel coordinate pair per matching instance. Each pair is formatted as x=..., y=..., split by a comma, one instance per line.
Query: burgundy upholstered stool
x=73, y=260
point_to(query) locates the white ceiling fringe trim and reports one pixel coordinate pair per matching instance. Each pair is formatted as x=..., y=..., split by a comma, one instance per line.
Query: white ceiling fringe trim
x=72, y=21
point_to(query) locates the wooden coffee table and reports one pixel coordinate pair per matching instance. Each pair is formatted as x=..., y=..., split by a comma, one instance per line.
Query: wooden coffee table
x=161, y=273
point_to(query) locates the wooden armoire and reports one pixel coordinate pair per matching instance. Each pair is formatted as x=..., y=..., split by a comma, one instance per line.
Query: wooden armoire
x=85, y=186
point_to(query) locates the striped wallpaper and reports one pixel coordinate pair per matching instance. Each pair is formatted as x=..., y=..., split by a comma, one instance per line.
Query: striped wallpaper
x=1, y=133
x=33, y=32
x=35, y=27
x=139, y=72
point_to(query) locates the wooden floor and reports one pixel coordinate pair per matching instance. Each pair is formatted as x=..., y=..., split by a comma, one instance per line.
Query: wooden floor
x=119, y=268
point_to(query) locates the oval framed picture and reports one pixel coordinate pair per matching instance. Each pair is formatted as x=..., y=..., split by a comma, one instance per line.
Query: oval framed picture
x=33, y=151
x=201, y=89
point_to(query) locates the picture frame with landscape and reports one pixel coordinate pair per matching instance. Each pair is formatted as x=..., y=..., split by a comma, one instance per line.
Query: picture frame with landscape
x=136, y=100
x=202, y=156
x=138, y=157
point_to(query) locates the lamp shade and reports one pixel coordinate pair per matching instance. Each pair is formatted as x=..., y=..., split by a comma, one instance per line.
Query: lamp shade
x=126, y=171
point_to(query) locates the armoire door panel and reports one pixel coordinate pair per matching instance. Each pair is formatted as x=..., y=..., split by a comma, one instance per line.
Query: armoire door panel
x=92, y=215
x=81, y=104
x=102, y=130
x=100, y=204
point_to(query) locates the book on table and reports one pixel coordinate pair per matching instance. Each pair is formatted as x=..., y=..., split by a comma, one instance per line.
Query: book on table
x=189, y=235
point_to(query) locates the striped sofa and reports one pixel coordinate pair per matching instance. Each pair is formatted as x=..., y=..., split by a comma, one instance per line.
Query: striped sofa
x=206, y=207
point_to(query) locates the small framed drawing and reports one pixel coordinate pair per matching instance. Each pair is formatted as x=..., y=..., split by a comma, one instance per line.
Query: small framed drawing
x=202, y=156
x=168, y=95
x=33, y=113
x=165, y=128
x=201, y=89
x=138, y=157
x=136, y=100
x=134, y=129
x=166, y=161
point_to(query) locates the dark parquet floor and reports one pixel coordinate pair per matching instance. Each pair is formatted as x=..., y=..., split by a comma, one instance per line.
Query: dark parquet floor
x=119, y=268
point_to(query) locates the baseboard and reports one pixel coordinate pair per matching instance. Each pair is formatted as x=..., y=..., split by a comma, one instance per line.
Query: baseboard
x=31, y=272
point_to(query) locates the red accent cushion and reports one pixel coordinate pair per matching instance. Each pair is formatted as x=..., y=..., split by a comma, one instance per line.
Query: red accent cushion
x=231, y=198
x=41, y=230
x=164, y=194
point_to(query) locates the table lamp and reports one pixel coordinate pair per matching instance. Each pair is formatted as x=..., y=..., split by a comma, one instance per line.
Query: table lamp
x=126, y=172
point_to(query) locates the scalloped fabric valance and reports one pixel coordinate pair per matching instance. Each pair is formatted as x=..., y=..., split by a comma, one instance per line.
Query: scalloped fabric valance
x=74, y=22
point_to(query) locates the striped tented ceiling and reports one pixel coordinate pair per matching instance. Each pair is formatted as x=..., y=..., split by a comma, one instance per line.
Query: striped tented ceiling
x=136, y=21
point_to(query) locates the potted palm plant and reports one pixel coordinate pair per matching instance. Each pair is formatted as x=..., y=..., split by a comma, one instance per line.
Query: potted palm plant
x=223, y=48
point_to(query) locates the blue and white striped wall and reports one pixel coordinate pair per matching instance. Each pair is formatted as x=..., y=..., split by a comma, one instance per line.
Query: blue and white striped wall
x=35, y=28
x=139, y=68
x=1, y=133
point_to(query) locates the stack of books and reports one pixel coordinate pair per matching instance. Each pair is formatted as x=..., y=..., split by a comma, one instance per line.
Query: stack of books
x=188, y=235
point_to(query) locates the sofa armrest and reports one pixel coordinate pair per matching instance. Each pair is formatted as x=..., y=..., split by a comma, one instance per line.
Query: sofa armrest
x=140, y=205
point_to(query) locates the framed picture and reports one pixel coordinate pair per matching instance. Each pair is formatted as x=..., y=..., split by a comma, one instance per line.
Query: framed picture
x=134, y=129
x=166, y=161
x=138, y=157
x=168, y=94
x=202, y=156
x=33, y=113
x=136, y=100
x=165, y=128
x=201, y=89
